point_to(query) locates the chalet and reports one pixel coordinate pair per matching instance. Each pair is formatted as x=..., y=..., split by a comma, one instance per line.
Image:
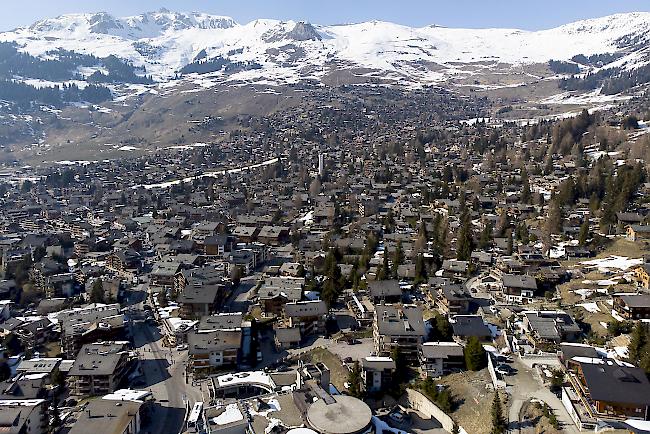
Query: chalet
x=637, y=232
x=216, y=342
x=24, y=416
x=545, y=328
x=454, y=269
x=440, y=358
x=246, y=234
x=287, y=337
x=275, y=292
x=642, y=275
x=273, y=235
x=632, y=306
x=198, y=300
x=385, y=290
x=107, y=416
x=518, y=288
x=453, y=300
x=122, y=261
x=613, y=390
x=467, y=326
x=163, y=274
x=217, y=245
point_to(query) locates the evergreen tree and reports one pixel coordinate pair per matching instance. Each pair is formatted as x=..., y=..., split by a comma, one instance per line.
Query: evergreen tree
x=354, y=381
x=398, y=258
x=485, y=239
x=465, y=239
x=475, y=357
x=509, y=244
x=441, y=329
x=499, y=423
x=554, y=218
x=584, y=233
x=333, y=283
x=422, y=239
x=420, y=269
x=525, y=190
x=384, y=270
x=97, y=292
x=398, y=357
x=638, y=341
x=644, y=361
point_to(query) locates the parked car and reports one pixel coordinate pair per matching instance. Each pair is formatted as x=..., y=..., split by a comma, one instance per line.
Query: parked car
x=502, y=359
x=398, y=417
x=504, y=369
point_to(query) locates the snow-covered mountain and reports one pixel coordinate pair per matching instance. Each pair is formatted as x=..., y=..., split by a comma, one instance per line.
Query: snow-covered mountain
x=164, y=42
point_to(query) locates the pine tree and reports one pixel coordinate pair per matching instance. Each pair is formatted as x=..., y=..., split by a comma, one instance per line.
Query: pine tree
x=644, y=361
x=420, y=269
x=465, y=239
x=97, y=292
x=475, y=357
x=638, y=341
x=525, y=190
x=584, y=233
x=384, y=269
x=354, y=381
x=421, y=241
x=398, y=357
x=398, y=258
x=332, y=286
x=554, y=218
x=499, y=423
x=509, y=245
x=486, y=236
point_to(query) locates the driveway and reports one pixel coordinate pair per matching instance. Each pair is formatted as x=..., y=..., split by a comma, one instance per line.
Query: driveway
x=526, y=385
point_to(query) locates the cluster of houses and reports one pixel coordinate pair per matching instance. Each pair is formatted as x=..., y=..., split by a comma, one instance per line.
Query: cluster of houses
x=233, y=244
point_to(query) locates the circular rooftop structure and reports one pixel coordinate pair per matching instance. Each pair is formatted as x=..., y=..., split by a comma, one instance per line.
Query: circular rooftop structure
x=301, y=431
x=340, y=414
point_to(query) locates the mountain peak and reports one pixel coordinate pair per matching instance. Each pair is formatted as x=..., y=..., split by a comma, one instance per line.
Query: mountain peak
x=163, y=42
x=304, y=31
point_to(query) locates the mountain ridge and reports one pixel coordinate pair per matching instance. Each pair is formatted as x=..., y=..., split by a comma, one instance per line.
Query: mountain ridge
x=164, y=42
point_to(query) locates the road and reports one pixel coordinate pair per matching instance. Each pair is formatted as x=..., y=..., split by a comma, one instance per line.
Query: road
x=211, y=174
x=164, y=374
x=239, y=299
x=526, y=385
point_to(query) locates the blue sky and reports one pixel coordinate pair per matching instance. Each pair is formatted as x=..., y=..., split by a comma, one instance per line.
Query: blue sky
x=526, y=14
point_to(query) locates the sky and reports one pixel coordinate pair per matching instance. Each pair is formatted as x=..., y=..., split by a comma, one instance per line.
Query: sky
x=522, y=14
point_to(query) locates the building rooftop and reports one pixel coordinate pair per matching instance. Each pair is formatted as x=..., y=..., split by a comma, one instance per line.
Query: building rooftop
x=98, y=359
x=341, y=415
x=618, y=384
x=106, y=416
x=394, y=320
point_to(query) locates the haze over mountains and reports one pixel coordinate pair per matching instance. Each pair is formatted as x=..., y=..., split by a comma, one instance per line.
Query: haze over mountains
x=165, y=44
